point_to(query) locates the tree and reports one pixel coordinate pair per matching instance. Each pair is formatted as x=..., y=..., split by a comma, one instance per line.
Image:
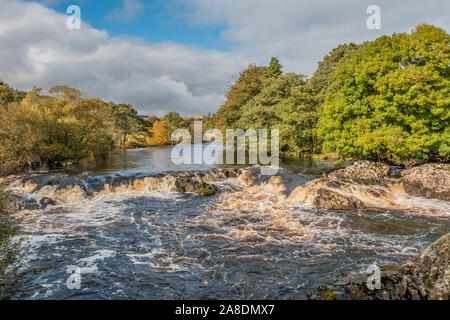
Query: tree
x=274, y=69
x=261, y=111
x=390, y=99
x=8, y=95
x=52, y=130
x=66, y=93
x=324, y=75
x=310, y=98
x=174, y=121
x=284, y=103
x=160, y=133
x=298, y=119
x=151, y=120
x=264, y=98
x=247, y=85
x=126, y=122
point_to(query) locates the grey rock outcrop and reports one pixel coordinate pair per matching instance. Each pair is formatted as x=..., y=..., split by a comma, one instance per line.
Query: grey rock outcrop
x=427, y=278
x=431, y=180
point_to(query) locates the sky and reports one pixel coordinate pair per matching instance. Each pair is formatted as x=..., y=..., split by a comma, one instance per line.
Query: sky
x=182, y=55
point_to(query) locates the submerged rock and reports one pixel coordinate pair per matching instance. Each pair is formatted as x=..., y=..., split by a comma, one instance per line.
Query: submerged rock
x=431, y=180
x=427, y=278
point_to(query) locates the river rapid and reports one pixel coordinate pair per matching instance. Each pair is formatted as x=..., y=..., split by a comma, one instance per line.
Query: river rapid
x=131, y=235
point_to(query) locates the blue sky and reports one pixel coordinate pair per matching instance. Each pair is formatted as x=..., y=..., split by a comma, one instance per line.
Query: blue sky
x=156, y=21
x=182, y=55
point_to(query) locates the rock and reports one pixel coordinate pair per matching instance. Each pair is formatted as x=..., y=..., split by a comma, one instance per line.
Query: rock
x=361, y=185
x=323, y=293
x=45, y=202
x=32, y=204
x=329, y=199
x=198, y=181
x=59, y=186
x=342, y=194
x=434, y=268
x=427, y=278
x=191, y=184
x=206, y=190
x=58, y=181
x=26, y=204
x=431, y=180
x=364, y=172
x=326, y=293
x=367, y=184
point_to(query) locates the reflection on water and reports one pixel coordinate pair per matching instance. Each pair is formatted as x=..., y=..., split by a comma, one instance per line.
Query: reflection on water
x=145, y=241
x=147, y=160
x=159, y=159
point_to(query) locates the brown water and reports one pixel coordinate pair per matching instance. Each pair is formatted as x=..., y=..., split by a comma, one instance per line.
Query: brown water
x=133, y=236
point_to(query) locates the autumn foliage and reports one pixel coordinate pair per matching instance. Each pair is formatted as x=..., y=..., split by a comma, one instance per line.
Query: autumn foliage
x=159, y=133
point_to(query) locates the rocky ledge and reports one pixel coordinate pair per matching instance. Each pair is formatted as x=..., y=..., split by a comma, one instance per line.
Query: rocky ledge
x=368, y=184
x=365, y=172
x=427, y=278
x=50, y=188
x=430, y=180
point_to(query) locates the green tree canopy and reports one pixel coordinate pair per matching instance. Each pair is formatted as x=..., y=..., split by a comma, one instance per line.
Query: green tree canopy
x=390, y=99
x=174, y=121
x=126, y=122
x=324, y=75
x=274, y=69
x=247, y=86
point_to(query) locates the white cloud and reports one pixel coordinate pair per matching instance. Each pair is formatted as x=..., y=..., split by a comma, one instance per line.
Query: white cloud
x=129, y=11
x=301, y=32
x=36, y=49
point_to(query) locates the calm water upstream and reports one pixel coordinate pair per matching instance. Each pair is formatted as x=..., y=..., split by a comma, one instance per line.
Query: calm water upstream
x=150, y=242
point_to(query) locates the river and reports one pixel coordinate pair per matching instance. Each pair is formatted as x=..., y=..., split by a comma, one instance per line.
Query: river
x=143, y=240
